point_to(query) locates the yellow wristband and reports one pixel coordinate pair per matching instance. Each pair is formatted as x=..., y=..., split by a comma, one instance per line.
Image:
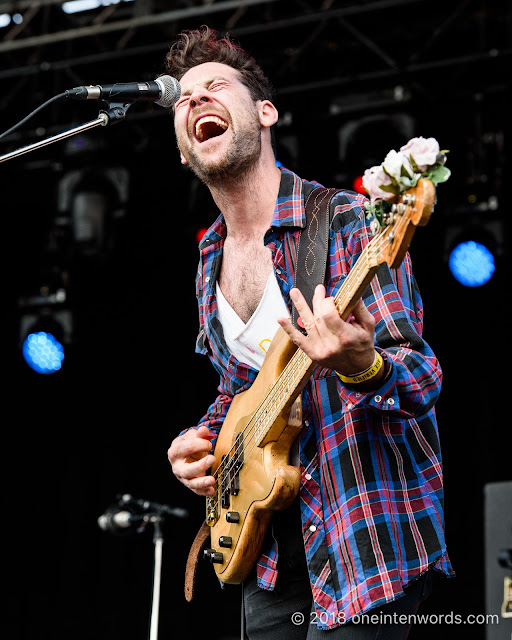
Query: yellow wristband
x=368, y=374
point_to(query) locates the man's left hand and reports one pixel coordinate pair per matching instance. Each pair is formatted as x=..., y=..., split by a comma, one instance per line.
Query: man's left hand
x=344, y=346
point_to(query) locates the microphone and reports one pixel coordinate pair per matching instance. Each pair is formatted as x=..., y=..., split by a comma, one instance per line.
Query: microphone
x=129, y=513
x=147, y=505
x=114, y=520
x=165, y=91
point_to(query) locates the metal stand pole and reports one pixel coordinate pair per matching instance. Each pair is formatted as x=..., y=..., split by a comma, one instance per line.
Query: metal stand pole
x=158, y=541
x=113, y=114
x=102, y=120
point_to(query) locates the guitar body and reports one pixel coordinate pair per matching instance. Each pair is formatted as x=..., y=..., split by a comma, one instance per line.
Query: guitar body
x=266, y=480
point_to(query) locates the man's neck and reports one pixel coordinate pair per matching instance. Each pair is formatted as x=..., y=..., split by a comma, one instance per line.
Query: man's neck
x=248, y=203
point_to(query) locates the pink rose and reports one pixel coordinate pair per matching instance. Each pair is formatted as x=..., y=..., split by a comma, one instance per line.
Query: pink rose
x=373, y=180
x=422, y=151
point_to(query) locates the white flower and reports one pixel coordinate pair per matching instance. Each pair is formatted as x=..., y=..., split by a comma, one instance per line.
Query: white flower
x=422, y=152
x=393, y=164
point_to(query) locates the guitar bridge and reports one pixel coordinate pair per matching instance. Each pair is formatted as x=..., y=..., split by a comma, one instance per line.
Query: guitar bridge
x=212, y=510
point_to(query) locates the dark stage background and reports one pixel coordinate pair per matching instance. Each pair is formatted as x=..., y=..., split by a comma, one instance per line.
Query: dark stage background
x=353, y=80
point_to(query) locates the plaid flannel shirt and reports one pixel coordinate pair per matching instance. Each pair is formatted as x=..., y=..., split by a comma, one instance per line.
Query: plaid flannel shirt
x=372, y=489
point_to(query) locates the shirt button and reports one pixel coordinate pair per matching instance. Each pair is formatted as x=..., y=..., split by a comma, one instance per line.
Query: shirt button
x=349, y=405
x=306, y=423
x=312, y=528
x=207, y=279
x=358, y=395
x=308, y=476
x=378, y=398
x=390, y=401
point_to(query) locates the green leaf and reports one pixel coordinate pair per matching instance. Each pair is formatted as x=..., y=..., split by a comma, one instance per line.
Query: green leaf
x=390, y=188
x=414, y=165
x=438, y=173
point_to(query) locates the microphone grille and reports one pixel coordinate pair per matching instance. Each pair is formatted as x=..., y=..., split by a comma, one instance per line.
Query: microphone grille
x=171, y=91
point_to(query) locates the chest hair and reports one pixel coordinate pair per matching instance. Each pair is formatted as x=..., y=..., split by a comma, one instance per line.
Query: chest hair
x=244, y=274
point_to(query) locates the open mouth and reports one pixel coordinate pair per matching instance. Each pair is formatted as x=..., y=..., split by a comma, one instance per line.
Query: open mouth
x=209, y=127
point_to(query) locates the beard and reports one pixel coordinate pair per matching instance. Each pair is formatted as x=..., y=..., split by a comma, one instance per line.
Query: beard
x=241, y=156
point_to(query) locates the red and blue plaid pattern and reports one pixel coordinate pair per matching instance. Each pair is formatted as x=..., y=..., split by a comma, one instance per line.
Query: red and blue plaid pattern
x=372, y=487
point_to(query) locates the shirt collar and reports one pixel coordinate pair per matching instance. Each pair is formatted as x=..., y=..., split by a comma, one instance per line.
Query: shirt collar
x=288, y=212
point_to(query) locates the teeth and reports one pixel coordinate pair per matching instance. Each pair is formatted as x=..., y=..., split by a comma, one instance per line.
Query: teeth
x=204, y=120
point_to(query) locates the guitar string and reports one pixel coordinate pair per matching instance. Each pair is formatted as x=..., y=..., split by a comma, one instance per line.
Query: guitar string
x=289, y=372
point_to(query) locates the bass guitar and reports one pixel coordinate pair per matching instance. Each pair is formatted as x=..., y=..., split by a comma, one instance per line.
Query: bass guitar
x=252, y=471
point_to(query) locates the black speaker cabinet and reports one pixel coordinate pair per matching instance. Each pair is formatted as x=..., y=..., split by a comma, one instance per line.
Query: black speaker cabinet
x=498, y=560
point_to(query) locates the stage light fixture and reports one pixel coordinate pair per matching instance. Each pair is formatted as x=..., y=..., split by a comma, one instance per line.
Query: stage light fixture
x=78, y=6
x=471, y=263
x=43, y=352
x=200, y=233
x=474, y=242
x=357, y=185
x=91, y=202
x=45, y=332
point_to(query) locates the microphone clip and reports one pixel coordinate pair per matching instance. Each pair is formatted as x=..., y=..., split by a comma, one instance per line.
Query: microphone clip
x=116, y=111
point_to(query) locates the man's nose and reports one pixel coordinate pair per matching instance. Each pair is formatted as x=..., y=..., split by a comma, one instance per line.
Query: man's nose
x=199, y=94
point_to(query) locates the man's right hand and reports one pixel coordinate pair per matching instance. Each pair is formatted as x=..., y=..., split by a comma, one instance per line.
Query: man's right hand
x=190, y=458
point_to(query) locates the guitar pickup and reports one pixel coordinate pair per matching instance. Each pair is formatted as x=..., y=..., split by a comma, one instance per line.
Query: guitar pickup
x=224, y=482
x=237, y=463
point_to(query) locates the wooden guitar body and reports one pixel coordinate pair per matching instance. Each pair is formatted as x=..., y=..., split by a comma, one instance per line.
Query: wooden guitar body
x=266, y=481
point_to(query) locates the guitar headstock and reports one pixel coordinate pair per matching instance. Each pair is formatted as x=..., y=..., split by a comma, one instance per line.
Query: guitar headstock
x=413, y=209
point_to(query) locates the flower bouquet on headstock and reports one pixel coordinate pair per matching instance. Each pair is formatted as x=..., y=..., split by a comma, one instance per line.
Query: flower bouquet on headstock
x=401, y=170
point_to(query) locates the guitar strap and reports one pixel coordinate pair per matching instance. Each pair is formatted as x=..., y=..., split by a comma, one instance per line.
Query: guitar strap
x=196, y=551
x=313, y=246
x=309, y=271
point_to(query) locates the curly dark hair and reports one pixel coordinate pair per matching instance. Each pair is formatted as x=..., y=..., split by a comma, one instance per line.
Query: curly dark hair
x=197, y=46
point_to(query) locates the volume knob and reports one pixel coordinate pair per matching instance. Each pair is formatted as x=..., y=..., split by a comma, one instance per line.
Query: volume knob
x=217, y=557
x=226, y=541
x=213, y=556
x=233, y=516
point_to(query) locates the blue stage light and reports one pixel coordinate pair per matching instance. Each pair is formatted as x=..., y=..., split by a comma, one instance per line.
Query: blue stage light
x=471, y=263
x=43, y=352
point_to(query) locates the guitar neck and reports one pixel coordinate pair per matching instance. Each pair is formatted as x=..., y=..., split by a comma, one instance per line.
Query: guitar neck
x=297, y=372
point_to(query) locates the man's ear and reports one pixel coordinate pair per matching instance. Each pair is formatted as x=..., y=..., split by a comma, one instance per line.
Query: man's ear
x=182, y=158
x=268, y=113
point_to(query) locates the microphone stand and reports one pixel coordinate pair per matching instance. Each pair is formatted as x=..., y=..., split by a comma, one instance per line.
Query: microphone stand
x=158, y=541
x=115, y=113
x=155, y=515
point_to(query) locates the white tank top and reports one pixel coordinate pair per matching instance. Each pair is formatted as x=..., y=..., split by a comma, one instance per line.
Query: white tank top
x=249, y=342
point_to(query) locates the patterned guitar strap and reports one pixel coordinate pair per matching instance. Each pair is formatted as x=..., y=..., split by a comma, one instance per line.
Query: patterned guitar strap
x=313, y=246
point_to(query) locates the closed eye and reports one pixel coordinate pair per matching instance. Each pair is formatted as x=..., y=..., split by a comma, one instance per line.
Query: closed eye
x=215, y=86
x=181, y=101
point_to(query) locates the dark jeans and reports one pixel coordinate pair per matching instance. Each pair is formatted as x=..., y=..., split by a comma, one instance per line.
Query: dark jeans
x=286, y=613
